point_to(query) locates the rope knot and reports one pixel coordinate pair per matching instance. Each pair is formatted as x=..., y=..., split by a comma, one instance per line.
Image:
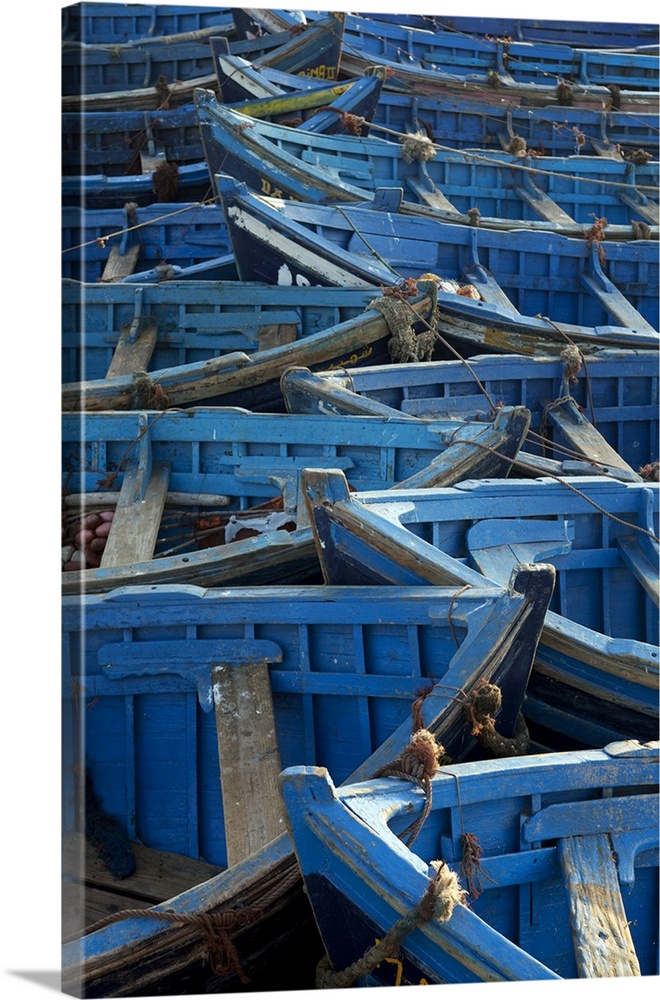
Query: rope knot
x=482, y=705
x=517, y=146
x=419, y=760
x=404, y=344
x=444, y=892
x=147, y=394
x=572, y=361
x=484, y=701
x=417, y=146
x=352, y=124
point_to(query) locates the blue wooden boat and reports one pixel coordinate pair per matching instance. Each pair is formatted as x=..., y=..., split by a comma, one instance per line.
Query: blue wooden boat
x=588, y=415
x=328, y=674
x=111, y=158
x=533, y=291
x=505, y=191
x=166, y=491
x=467, y=122
x=543, y=867
x=148, y=243
x=515, y=64
x=595, y=676
x=89, y=69
x=175, y=343
x=590, y=34
x=121, y=22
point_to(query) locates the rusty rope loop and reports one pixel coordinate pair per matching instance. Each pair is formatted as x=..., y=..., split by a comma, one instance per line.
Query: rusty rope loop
x=214, y=927
x=483, y=703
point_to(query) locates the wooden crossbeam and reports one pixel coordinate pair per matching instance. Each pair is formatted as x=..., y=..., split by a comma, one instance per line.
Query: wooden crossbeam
x=601, y=936
x=137, y=517
x=249, y=757
x=133, y=353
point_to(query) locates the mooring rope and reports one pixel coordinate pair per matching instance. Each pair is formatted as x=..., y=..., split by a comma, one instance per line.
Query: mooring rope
x=442, y=895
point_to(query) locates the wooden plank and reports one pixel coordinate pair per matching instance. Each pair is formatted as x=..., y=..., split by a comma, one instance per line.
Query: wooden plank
x=542, y=204
x=645, y=207
x=102, y=500
x=583, y=438
x=434, y=197
x=639, y=563
x=158, y=875
x=488, y=288
x=601, y=936
x=249, y=758
x=135, y=526
x=497, y=544
x=616, y=304
x=119, y=264
x=133, y=354
x=90, y=893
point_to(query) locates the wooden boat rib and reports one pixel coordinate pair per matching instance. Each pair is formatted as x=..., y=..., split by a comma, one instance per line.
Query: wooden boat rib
x=545, y=827
x=588, y=415
x=237, y=475
x=192, y=634
x=505, y=191
x=519, y=278
x=598, y=647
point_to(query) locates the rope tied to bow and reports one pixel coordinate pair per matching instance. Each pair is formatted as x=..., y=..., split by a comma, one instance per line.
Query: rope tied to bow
x=404, y=344
x=147, y=394
x=418, y=762
x=442, y=895
x=417, y=147
x=483, y=703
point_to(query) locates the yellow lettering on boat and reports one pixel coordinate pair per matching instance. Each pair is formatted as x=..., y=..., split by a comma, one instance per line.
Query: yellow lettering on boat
x=353, y=359
x=268, y=189
x=322, y=72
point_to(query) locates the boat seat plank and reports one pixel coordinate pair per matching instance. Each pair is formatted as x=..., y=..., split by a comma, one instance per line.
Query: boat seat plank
x=543, y=205
x=119, y=265
x=605, y=148
x=647, y=209
x=87, y=884
x=616, y=304
x=249, y=758
x=339, y=167
x=133, y=354
x=641, y=565
x=585, y=439
x=601, y=934
x=497, y=544
x=488, y=288
x=431, y=196
x=135, y=526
